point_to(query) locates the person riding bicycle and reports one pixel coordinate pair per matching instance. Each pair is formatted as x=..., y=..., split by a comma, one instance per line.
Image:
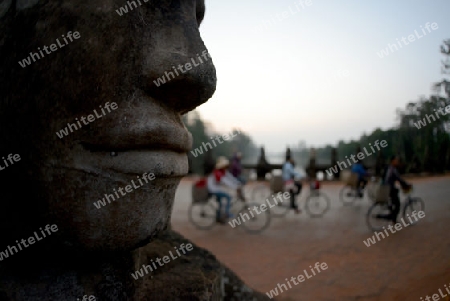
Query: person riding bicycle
x=236, y=167
x=216, y=180
x=390, y=177
x=291, y=178
x=359, y=169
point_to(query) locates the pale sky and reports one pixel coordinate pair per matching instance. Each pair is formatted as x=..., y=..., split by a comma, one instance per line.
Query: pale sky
x=315, y=75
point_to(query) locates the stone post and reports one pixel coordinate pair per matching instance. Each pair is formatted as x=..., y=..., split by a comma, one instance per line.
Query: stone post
x=209, y=163
x=288, y=153
x=311, y=170
x=334, y=158
x=262, y=167
x=379, y=163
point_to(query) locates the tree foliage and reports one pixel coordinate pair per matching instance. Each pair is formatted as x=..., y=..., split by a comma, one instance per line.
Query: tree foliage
x=202, y=132
x=420, y=137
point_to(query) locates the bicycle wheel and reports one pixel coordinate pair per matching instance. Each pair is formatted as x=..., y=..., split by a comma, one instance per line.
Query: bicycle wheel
x=254, y=222
x=260, y=193
x=247, y=192
x=348, y=195
x=316, y=204
x=235, y=202
x=378, y=216
x=279, y=208
x=371, y=188
x=413, y=204
x=236, y=206
x=203, y=215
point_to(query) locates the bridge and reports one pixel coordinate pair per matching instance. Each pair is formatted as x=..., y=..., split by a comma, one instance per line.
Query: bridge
x=263, y=167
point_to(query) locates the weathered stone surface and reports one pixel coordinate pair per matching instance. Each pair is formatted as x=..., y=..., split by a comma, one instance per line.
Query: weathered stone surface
x=22, y=4
x=194, y=276
x=115, y=59
x=4, y=6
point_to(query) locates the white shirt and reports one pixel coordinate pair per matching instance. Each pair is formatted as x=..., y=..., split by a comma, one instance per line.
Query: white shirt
x=289, y=172
x=226, y=180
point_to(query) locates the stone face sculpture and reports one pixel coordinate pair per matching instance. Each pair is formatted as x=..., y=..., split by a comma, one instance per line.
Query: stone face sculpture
x=84, y=105
x=115, y=60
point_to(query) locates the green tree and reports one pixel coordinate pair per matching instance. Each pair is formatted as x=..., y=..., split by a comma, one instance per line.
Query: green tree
x=202, y=133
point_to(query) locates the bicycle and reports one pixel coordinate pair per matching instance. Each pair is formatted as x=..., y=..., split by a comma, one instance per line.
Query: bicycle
x=379, y=214
x=349, y=193
x=317, y=203
x=203, y=211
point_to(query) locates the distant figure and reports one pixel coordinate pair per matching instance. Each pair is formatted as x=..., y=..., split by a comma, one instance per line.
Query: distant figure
x=359, y=169
x=390, y=177
x=291, y=179
x=236, y=167
x=216, y=180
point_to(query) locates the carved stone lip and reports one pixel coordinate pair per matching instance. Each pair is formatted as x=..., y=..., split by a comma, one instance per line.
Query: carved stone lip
x=142, y=135
x=161, y=133
x=120, y=148
x=163, y=163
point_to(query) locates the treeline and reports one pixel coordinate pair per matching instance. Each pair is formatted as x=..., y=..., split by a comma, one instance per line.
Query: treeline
x=203, y=133
x=421, y=136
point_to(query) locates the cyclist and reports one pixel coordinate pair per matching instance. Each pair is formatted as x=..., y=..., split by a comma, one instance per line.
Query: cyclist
x=216, y=180
x=291, y=178
x=390, y=177
x=359, y=169
x=236, y=167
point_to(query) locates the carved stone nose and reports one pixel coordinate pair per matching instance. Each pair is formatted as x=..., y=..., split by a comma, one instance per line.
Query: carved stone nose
x=183, y=82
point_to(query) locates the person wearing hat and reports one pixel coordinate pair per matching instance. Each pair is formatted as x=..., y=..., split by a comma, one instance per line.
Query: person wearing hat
x=219, y=178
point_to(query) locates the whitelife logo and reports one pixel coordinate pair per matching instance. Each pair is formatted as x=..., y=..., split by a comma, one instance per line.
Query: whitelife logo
x=411, y=38
x=371, y=240
x=199, y=150
x=166, y=259
x=90, y=118
x=27, y=61
x=128, y=188
x=86, y=298
x=187, y=66
x=360, y=156
x=10, y=158
x=31, y=240
x=437, y=297
x=124, y=9
x=423, y=122
x=318, y=267
x=279, y=17
x=243, y=217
